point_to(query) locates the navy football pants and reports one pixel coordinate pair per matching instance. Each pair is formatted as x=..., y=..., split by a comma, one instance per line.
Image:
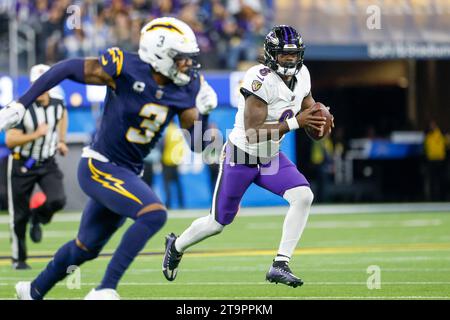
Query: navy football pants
x=115, y=193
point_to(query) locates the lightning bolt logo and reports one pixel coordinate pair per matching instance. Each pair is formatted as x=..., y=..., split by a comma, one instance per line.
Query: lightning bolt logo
x=109, y=182
x=117, y=59
x=167, y=26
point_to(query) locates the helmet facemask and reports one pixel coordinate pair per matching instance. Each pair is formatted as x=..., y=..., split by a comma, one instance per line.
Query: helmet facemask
x=179, y=77
x=289, y=68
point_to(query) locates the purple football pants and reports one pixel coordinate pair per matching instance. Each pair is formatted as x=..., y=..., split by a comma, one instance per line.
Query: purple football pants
x=277, y=176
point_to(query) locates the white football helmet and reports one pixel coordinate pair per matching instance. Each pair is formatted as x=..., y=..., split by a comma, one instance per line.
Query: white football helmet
x=162, y=41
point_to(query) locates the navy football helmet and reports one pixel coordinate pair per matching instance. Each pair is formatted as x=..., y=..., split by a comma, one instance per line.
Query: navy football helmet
x=283, y=39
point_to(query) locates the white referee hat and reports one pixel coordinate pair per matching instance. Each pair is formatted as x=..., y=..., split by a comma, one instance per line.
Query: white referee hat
x=37, y=71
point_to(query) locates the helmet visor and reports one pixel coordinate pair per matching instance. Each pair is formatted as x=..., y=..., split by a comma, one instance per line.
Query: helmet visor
x=187, y=63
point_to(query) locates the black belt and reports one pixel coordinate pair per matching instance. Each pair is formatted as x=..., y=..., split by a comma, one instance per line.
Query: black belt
x=35, y=163
x=239, y=156
x=45, y=161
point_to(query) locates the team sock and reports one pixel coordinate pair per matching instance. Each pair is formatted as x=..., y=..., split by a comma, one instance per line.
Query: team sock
x=66, y=257
x=300, y=200
x=199, y=230
x=282, y=258
x=133, y=241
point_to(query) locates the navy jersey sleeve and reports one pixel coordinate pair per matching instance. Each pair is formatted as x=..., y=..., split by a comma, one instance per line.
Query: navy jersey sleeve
x=111, y=61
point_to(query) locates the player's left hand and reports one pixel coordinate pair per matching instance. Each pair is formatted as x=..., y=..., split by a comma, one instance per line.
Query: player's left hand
x=11, y=115
x=206, y=99
x=62, y=148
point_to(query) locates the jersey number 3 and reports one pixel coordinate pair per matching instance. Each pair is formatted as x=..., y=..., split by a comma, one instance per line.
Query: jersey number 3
x=154, y=116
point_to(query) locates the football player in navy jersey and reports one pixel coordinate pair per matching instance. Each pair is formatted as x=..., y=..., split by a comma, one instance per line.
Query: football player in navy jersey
x=145, y=91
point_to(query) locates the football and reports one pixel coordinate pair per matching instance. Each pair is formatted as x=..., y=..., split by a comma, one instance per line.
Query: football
x=323, y=111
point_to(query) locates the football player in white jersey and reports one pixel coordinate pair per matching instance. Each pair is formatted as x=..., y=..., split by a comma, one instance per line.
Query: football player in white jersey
x=275, y=99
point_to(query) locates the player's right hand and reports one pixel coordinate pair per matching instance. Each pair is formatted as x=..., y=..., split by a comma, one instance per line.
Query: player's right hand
x=42, y=130
x=307, y=119
x=11, y=115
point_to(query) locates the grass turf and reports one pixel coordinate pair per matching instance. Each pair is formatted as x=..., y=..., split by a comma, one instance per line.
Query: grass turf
x=412, y=251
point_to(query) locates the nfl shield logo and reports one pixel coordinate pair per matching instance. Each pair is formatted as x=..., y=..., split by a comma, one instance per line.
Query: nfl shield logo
x=159, y=93
x=256, y=85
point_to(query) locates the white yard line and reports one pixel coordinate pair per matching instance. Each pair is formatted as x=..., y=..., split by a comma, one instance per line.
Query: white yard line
x=362, y=224
x=54, y=234
x=140, y=272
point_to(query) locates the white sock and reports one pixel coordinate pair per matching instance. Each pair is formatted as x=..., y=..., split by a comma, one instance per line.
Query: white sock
x=199, y=230
x=300, y=200
x=280, y=257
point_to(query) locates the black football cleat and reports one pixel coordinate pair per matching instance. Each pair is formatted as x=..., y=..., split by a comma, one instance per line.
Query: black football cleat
x=279, y=272
x=36, y=232
x=20, y=265
x=171, y=259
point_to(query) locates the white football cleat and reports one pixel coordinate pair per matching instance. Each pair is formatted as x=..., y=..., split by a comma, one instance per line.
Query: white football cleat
x=102, y=294
x=23, y=290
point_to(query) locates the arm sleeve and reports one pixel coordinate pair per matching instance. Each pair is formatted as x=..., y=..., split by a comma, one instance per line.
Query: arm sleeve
x=72, y=69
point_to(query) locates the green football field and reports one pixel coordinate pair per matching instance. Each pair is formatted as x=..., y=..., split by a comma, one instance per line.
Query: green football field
x=341, y=256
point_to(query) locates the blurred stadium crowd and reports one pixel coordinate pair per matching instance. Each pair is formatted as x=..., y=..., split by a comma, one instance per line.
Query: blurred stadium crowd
x=228, y=31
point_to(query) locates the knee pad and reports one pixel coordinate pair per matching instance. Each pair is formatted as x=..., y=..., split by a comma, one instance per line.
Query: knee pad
x=299, y=196
x=153, y=219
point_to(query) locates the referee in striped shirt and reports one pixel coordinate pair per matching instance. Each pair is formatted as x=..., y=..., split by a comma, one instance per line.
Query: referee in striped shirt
x=34, y=143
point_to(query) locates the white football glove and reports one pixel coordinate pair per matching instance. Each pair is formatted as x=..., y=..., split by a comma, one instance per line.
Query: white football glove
x=206, y=99
x=11, y=115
